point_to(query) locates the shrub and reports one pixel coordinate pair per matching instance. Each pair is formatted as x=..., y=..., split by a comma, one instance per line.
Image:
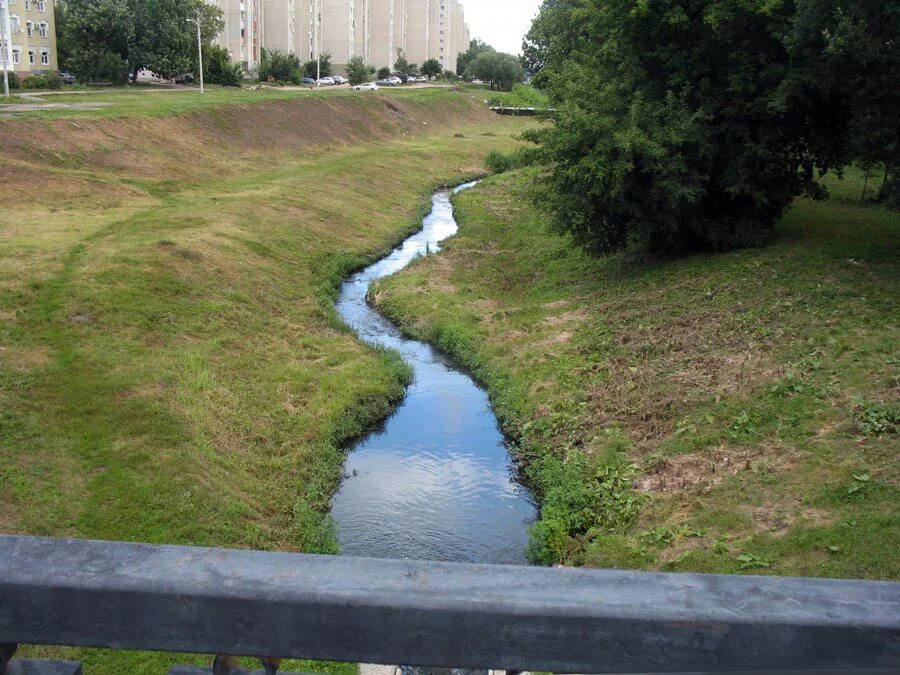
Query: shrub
x=278, y=66
x=14, y=81
x=53, y=81
x=358, y=71
x=218, y=68
x=890, y=194
x=34, y=82
x=384, y=73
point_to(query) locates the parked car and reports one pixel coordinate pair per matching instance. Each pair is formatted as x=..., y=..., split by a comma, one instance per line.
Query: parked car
x=326, y=82
x=366, y=86
x=67, y=78
x=308, y=80
x=339, y=80
x=390, y=82
x=184, y=78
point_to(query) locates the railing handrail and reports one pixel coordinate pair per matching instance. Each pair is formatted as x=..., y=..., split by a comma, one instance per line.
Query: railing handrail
x=203, y=600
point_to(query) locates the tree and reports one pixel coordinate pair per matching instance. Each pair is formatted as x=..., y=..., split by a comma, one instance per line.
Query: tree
x=401, y=65
x=320, y=68
x=693, y=125
x=383, y=73
x=106, y=39
x=358, y=71
x=497, y=69
x=431, y=68
x=476, y=47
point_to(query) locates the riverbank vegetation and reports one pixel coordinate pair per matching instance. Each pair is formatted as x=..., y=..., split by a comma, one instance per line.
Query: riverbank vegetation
x=732, y=412
x=172, y=369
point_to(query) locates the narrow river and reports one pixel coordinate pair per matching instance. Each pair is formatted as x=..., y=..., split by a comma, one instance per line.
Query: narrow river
x=435, y=481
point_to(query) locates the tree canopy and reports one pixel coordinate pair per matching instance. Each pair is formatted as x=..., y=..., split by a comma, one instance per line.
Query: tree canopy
x=107, y=39
x=497, y=69
x=476, y=48
x=685, y=125
x=358, y=71
x=431, y=68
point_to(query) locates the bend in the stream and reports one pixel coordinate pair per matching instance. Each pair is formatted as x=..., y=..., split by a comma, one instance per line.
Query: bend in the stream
x=435, y=482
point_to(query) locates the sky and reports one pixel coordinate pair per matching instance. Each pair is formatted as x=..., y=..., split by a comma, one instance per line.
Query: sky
x=501, y=23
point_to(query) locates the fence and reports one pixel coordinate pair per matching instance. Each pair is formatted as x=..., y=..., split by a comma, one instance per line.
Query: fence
x=171, y=598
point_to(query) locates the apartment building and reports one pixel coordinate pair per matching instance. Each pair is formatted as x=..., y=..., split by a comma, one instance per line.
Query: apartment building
x=244, y=32
x=376, y=30
x=279, y=22
x=29, y=36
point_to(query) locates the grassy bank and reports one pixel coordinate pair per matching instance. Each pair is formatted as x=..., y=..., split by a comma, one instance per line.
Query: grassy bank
x=171, y=366
x=154, y=101
x=732, y=413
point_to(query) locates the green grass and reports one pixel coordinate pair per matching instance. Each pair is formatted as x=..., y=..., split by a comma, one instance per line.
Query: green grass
x=172, y=369
x=147, y=101
x=521, y=96
x=732, y=413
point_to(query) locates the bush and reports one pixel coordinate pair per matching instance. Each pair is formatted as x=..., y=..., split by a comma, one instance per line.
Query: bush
x=322, y=67
x=53, y=81
x=218, y=68
x=14, y=81
x=279, y=67
x=384, y=73
x=890, y=194
x=34, y=82
x=358, y=71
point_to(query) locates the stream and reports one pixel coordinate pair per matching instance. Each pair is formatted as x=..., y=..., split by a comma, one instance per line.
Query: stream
x=435, y=480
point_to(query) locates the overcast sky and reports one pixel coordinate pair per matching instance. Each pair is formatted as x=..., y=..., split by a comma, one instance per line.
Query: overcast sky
x=501, y=23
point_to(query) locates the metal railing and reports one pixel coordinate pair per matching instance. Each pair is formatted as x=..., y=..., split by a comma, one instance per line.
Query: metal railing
x=183, y=599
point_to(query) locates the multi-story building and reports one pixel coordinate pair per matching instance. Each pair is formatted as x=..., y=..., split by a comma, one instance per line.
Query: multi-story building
x=28, y=33
x=244, y=32
x=280, y=25
x=376, y=30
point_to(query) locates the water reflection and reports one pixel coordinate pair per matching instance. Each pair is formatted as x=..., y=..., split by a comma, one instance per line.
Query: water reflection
x=435, y=482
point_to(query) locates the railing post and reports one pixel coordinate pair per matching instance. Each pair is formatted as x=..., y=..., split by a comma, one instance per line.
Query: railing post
x=6, y=654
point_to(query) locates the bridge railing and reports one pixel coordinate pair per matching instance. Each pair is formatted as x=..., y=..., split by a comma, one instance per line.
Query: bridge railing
x=183, y=599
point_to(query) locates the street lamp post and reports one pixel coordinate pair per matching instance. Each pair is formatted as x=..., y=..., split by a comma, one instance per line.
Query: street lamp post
x=318, y=42
x=4, y=47
x=200, y=51
x=199, y=48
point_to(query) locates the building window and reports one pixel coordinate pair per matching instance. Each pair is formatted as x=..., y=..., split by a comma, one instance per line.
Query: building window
x=27, y=5
x=43, y=29
x=29, y=28
x=45, y=58
x=17, y=57
x=31, y=56
x=42, y=5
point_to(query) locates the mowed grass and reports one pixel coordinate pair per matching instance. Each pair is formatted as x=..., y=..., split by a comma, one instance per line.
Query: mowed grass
x=733, y=413
x=153, y=101
x=172, y=369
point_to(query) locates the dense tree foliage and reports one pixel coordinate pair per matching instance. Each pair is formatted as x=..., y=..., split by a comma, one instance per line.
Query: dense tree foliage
x=107, y=39
x=276, y=66
x=686, y=125
x=320, y=68
x=476, y=48
x=497, y=69
x=358, y=71
x=218, y=68
x=431, y=68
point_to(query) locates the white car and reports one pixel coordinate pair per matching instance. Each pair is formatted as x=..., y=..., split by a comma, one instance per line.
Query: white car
x=326, y=82
x=339, y=80
x=366, y=86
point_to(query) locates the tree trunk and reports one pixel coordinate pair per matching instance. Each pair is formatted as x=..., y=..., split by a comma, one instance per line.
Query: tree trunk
x=866, y=183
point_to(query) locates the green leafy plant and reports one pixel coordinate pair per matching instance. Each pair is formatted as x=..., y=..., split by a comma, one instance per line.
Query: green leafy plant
x=751, y=561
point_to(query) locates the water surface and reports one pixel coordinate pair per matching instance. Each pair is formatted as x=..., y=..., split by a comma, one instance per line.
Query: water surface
x=435, y=482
